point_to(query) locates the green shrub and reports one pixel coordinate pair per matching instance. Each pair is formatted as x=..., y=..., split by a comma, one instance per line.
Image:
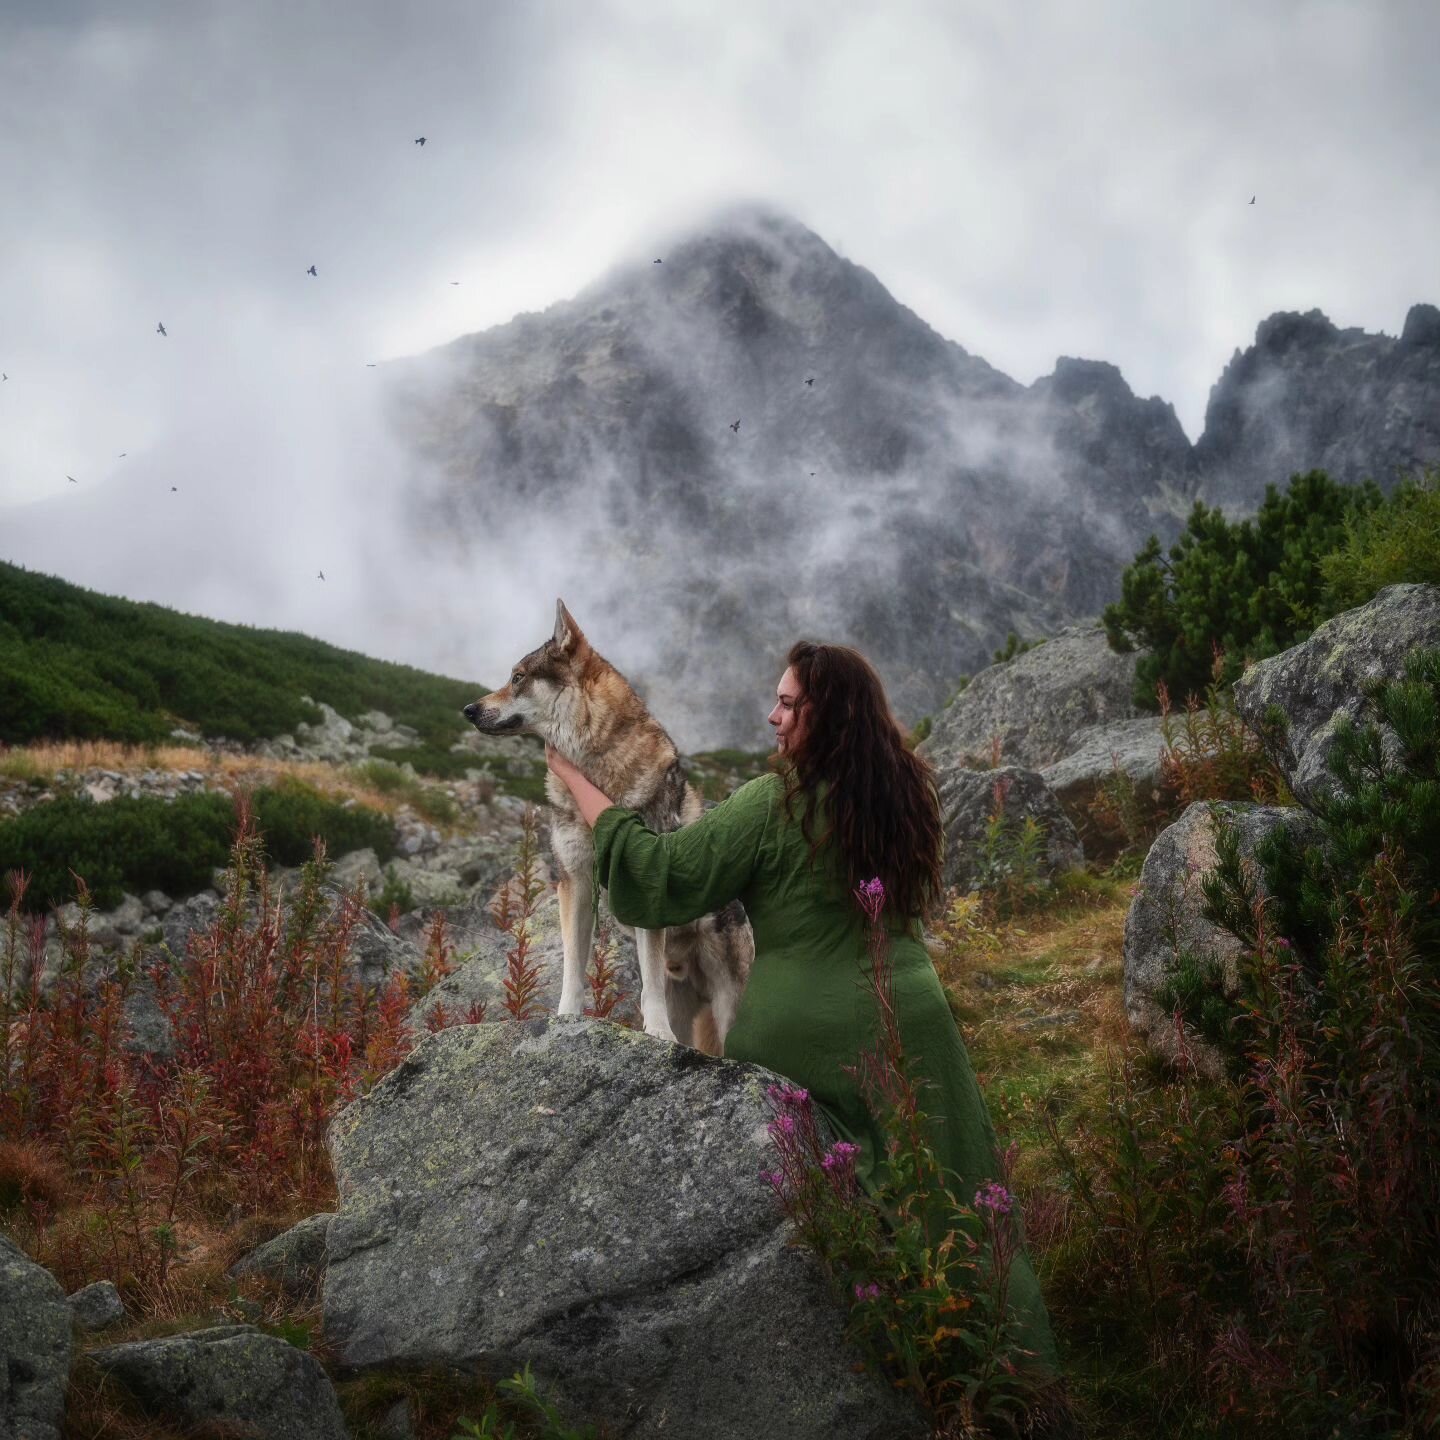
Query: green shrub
x=1251, y=589
x=144, y=844
x=1014, y=646
x=1396, y=544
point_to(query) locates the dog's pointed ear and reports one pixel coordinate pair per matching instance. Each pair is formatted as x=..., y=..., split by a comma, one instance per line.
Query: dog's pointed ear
x=568, y=635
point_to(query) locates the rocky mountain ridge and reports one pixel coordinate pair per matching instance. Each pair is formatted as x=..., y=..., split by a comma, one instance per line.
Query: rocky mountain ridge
x=755, y=440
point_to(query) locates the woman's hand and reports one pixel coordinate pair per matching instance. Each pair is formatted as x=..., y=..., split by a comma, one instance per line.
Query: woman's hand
x=560, y=767
x=591, y=802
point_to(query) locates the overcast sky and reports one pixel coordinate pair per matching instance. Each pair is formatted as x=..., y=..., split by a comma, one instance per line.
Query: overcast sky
x=1034, y=180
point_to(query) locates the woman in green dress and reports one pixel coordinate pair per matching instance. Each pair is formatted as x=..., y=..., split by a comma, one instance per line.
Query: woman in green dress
x=848, y=804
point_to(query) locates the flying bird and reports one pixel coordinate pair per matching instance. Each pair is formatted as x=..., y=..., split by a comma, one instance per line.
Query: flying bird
x=122, y=454
x=322, y=574
x=311, y=271
x=454, y=282
x=811, y=380
x=657, y=262
x=1252, y=199
x=160, y=329
x=72, y=479
x=4, y=377
x=420, y=141
x=735, y=426
x=369, y=364
x=174, y=489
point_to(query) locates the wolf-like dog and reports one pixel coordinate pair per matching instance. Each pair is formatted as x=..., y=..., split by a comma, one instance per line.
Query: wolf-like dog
x=691, y=976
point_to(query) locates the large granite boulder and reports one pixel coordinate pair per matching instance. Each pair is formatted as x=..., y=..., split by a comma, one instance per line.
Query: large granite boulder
x=1035, y=703
x=1324, y=679
x=35, y=1347
x=231, y=1376
x=967, y=800
x=586, y=1199
x=1167, y=916
x=1131, y=747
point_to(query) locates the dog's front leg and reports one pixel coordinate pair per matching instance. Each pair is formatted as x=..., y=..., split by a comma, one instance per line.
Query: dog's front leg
x=650, y=950
x=577, y=934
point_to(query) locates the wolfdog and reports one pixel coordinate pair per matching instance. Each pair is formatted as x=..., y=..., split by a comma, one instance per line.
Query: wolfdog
x=691, y=976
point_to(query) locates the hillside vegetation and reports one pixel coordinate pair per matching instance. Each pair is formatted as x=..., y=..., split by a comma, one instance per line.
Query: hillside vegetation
x=78, y=665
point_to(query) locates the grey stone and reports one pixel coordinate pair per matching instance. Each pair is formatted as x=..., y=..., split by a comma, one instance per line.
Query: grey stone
x=157, y=902
x=35, y=1347
x=1036, y=703
x=359, y=867
x=97, y=1306
x=967, y=799
x=296, y=1259
x=1133, y=747
x=1167, y=915
x=585, y=1199
x=128, y=916
x=232, y=1374
x=1322, y=681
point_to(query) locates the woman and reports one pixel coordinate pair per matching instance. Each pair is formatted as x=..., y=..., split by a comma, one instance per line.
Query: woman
x=849, y=803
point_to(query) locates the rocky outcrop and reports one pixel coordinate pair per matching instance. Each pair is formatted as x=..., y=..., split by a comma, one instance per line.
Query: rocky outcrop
x=235, y=1375
x=1035, y=704
x=1323, y=680
x=586, y=1199
x=1295, y=702
x=35, y=1347
x=1096, y=753
x=967, y=800
x=1167, y=918
x=1308, y=395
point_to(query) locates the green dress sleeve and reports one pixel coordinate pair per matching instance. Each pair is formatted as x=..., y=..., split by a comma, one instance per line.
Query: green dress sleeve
x=658, y=880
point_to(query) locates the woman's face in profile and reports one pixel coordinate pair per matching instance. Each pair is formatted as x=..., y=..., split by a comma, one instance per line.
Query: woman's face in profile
x=788, y=716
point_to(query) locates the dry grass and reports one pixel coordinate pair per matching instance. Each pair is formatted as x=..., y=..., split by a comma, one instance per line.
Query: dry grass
x=1041, y=1006
x=43, y=761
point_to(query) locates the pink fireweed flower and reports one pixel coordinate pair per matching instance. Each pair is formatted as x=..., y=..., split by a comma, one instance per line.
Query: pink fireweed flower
x=782, y=1125
x=867, y=1292
x=773, y=1178
x=787, y=1095
x=840, y=1156
x=871, y=895
x=995, y=1198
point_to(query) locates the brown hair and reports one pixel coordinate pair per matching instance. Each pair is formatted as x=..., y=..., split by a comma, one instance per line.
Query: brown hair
x=881, y=808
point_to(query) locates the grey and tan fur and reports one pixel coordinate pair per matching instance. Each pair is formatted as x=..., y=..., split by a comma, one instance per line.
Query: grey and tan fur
x=691, y=975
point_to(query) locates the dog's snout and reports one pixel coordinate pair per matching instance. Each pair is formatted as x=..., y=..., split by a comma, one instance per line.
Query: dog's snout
x=471, y=711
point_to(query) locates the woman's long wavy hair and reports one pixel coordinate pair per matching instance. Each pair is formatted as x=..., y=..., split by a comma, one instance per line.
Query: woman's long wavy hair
x=880, y=807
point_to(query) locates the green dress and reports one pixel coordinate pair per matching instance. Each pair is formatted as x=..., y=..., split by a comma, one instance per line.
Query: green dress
x=808, y=1011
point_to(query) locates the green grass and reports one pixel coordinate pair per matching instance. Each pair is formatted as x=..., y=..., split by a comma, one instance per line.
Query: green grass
x=75, y=664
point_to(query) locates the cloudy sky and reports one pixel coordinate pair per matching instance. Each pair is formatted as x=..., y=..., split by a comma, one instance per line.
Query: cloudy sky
x=1053, y=178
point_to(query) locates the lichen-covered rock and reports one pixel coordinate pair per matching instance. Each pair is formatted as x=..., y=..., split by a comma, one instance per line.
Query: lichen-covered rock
x=35, y=1347
x=1167, y=915
x=968, y=798
x=233, y=1375
x=1323, y=679
x=295, y=1259
x=97, y=1306
x=1133, y=747
x=586, y=1199
x=1035, y=703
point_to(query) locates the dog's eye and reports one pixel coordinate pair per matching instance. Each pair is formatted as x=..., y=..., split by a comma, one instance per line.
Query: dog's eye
x=517, y=677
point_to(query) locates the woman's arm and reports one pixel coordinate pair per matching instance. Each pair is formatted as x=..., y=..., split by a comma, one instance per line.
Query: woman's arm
x=670, y=879
x=592, y=801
